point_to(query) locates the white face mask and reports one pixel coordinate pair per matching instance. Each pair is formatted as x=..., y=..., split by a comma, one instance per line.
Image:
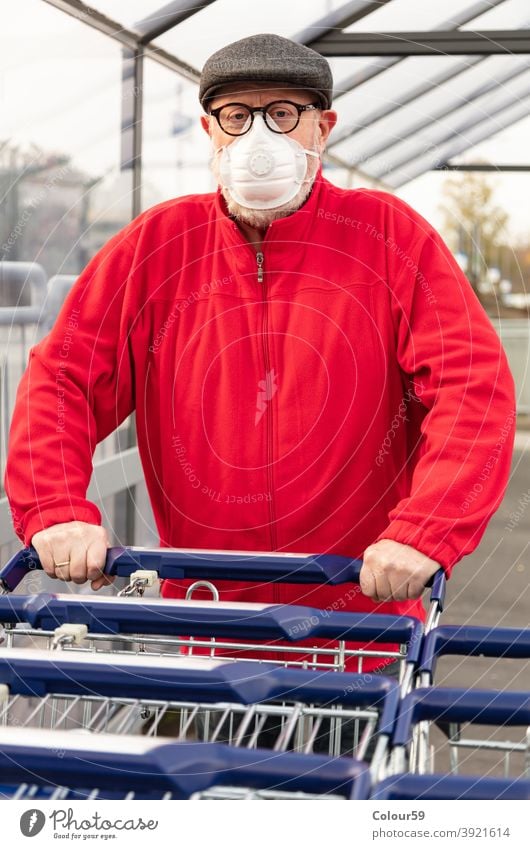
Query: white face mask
x=263, y=169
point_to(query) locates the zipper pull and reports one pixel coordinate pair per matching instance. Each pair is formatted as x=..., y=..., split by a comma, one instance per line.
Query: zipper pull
x=259, y=260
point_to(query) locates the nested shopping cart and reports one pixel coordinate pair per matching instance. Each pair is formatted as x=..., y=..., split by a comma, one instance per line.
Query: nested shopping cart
x=451, y=787
x=313, y=714
x=218, y=628
x=72, y=765
x=500, y=645
x=471, y=641
x=339, y=715
x=414, y=767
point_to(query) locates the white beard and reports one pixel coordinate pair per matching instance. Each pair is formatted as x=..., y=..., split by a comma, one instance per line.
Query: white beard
x=260, y=219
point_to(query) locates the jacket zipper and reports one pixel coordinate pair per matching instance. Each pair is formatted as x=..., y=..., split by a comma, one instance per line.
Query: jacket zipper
x=264, y=335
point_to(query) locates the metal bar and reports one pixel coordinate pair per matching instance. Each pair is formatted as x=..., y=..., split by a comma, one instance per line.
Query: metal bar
x=124, y=36
x=167, y=17
x=131, y=123
x=478, y=166
x=418, y=43
x=340, y=18
x=132, y=136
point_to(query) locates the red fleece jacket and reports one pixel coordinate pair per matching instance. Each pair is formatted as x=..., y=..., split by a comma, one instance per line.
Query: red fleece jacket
x=343, y=387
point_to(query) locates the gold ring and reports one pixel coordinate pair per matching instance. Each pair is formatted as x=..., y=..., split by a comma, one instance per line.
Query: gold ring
x=65, y=563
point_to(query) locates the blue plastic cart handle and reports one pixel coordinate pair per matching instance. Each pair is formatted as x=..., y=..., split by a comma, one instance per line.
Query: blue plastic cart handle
x=175, y=563
x=292, y=623
x=473, y=641
x=485, y=707
x=438, y=583
x=181, y=768
x=440, y=786
x=38, y=673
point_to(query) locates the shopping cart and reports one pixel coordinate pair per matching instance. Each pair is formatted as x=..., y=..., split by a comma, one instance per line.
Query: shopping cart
x=73, y=765
x=473, y=711
x=245, y=705
x=466, y=641
x=215, y=628
x=210, y=626
x=450, y=787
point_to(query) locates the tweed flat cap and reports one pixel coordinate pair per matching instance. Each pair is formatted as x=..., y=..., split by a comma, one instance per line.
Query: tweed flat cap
x=267, y=58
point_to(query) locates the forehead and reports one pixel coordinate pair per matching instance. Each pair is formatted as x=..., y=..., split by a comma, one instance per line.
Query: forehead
x=255, y=94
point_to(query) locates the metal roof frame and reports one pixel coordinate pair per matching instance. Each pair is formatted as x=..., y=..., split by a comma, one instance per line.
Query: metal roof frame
x=479, y=166
x=167, y=17
x=453, y=106
x=409, y=96
x=418, y=43
x=127, y=37
x=468, y=14
x=340, y=18
x=495, y=122
x=327, y=37
x=472, y=117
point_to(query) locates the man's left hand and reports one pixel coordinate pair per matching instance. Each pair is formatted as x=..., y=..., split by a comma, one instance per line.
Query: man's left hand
x=392, y=571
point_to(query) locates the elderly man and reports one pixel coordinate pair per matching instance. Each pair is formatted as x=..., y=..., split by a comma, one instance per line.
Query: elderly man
x=310, y=369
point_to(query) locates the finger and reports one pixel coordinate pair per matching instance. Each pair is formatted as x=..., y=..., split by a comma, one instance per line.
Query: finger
x=415, y=588
x=78, y=555
x=44, y=550
x=383, y=589
x=102, y=581
x=399, y=588
x=400, y=578
x=367, y=581
x=420, y=578
x=61, y=551
x=96, y=558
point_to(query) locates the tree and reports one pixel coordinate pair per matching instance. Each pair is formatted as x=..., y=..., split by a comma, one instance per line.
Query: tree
x=475, y=226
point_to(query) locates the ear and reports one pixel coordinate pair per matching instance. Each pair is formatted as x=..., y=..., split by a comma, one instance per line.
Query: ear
x=205, y=123
x=328, y=119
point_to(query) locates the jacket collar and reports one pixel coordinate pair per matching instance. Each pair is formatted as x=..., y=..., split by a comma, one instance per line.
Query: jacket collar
x=293, y=231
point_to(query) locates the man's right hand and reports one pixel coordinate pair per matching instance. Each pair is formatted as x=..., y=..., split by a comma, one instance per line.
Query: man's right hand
x=74, y=551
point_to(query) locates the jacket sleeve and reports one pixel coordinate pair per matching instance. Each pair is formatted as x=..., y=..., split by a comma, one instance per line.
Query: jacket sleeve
x=446, y=344
x=76, y=390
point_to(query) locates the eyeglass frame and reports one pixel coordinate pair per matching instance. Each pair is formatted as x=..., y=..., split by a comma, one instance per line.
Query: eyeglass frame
x=300, y=107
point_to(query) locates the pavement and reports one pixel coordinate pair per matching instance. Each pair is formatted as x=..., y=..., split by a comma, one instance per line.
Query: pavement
x=491, y=587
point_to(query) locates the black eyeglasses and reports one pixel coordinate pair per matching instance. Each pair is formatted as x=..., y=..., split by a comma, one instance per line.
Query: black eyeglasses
x=281, y=116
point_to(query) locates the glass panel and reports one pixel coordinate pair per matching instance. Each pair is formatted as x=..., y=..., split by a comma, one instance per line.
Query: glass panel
x=510, y=146
x=176, y=149
x=402, y=15
x=386, y=89
x=127, y=13
x=276, y=15
x=424, y=119
x=508, y=15
x=65, y=194
x=61, y=115
x=229, y=20
x=454, y=125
